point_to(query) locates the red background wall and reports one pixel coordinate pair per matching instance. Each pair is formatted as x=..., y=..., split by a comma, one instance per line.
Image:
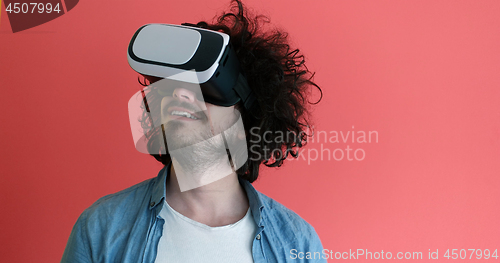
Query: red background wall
x=423, y=74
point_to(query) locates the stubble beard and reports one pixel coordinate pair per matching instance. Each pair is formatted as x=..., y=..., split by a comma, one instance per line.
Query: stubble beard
x=195, y=153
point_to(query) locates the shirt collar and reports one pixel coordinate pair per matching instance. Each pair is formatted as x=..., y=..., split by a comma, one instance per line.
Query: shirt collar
x=159, y=188
x=254, y=200
x=159, y=192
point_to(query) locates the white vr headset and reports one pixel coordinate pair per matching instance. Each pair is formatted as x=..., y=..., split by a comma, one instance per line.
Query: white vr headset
x=168, y=51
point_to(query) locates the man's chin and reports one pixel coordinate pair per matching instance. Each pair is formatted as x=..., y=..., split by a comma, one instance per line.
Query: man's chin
x=181, y=138
x=179, y=134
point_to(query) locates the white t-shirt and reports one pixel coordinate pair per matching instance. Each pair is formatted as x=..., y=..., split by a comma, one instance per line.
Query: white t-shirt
x=186, y=240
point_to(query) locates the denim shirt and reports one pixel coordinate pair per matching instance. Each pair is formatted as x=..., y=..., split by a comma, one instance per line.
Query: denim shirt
x=126, y=227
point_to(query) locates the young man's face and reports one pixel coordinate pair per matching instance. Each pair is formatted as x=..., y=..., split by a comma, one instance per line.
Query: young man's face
x=188, y=120
x=199, y=136
x=205, y=142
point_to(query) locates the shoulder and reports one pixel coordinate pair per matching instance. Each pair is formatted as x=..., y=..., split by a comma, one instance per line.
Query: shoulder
x=286, y=233
x=103, y=223
x=119, y=205
x=284, y=221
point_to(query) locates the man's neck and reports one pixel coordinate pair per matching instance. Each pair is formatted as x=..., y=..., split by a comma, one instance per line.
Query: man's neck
x=219, y=203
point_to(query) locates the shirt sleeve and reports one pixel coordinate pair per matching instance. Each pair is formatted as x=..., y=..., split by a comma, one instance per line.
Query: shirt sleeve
x=314, y=245
x=77, y=249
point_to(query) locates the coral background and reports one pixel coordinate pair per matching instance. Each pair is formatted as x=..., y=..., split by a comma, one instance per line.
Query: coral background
x=423, y=74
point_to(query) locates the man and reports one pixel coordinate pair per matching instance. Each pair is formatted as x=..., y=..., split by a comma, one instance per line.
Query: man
x=202, y=207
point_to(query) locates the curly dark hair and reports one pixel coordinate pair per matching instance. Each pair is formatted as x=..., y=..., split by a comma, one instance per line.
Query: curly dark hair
x=280, y=80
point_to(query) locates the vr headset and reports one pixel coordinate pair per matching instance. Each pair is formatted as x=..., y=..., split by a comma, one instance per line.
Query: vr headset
x=167, y=51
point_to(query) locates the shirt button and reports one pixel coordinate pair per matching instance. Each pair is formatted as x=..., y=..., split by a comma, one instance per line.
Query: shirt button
x=258, y=237
x=152, y=204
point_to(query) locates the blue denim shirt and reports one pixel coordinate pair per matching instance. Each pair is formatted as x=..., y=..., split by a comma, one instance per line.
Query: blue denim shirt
x=126, y=227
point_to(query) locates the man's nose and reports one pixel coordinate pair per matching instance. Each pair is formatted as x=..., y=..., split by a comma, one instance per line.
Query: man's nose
x=184, y=95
